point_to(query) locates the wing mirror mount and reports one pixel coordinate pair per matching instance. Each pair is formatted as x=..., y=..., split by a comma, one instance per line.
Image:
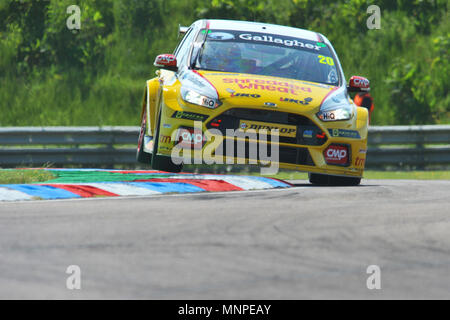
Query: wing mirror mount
x=182, y=30
x=166, y=62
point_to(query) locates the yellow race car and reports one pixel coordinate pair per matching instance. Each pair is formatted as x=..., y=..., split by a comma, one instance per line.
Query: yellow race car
x=254, y=93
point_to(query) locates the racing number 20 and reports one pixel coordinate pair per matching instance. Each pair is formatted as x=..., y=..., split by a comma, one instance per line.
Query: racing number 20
x=326, y=60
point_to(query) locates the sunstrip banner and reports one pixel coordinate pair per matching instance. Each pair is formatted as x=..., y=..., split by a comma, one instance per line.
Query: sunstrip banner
x=91, y=183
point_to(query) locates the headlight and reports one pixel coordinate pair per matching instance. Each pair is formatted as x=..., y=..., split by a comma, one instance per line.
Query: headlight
x=341, y=113
x=194, y=97
x=336, y=107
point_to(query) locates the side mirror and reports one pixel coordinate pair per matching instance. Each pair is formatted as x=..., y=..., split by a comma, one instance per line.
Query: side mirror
x=167, y=62
x=358, y=84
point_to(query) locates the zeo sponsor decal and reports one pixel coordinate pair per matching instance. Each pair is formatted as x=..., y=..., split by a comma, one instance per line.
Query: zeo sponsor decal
x=304, y=102
x=344, y=133
x=189, y=116
x=245, y=95
x=337, y=155
x=284, y=130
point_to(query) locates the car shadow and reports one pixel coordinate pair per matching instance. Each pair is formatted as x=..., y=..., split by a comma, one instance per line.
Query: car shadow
x=309, y=185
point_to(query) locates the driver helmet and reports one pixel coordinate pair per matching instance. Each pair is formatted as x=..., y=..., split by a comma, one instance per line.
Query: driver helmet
x=226, y=55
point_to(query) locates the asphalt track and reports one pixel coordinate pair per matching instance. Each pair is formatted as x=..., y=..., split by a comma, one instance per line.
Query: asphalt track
x=298, y=243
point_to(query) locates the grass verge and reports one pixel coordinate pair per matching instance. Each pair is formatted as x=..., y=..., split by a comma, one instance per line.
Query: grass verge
x=20, y=176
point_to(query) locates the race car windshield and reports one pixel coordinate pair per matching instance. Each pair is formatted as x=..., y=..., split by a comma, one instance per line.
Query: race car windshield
x=269, y=55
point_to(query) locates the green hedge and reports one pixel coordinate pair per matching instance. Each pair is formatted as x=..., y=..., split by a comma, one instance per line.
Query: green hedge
x=50, y=75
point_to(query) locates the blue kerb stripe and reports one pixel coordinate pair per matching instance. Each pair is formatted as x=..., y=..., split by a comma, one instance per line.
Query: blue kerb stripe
x=274, y=183
x=166, y=187
x=44, y=192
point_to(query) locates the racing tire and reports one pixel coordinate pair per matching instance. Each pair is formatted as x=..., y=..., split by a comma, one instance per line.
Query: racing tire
x=327, y=180
x=162, y=163
x=141, y=155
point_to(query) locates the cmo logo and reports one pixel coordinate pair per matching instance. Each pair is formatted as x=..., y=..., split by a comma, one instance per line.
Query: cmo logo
x=190, y=138
x=336, y=154
x=166, y=58
x=360, y=82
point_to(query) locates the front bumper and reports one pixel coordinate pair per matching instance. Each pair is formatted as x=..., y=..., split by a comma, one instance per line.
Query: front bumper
x=302, y=152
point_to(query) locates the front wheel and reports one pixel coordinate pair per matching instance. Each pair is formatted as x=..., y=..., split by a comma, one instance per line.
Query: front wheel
x=327, y=180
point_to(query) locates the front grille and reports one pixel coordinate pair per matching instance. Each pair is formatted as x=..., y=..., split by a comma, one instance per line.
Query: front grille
x=308, y=133
x=252, y=151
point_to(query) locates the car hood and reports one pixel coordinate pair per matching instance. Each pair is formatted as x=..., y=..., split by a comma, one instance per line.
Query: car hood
x=257, y=90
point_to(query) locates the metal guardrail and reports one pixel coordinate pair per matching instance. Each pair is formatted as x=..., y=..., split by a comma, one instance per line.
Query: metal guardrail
x=417, y=146
x=67, y=145
x=409, y=146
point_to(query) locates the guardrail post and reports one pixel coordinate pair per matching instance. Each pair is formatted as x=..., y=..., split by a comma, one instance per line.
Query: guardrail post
x=420, y=147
